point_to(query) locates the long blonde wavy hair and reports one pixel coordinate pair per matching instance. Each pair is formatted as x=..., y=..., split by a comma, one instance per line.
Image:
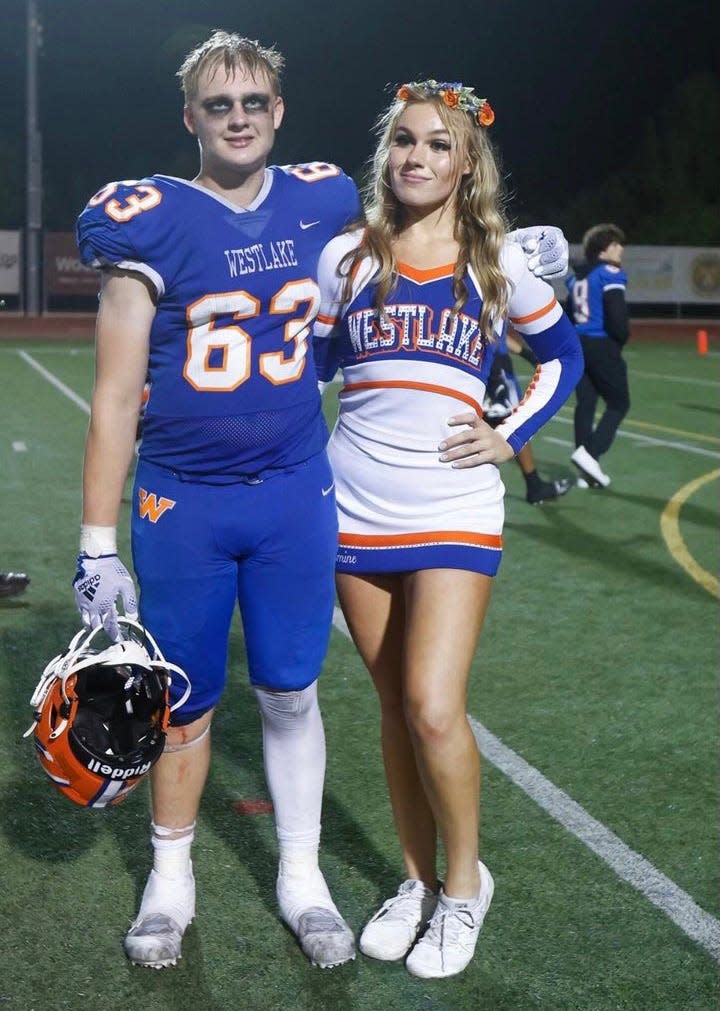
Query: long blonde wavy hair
x=480, y=223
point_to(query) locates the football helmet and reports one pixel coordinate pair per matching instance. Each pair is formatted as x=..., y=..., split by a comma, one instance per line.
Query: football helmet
x=101, y=715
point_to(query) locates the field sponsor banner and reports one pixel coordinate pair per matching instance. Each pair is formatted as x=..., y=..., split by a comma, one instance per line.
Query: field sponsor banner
x=699, y=271
x=9, y=263
x=65, y=274
x=674, y=274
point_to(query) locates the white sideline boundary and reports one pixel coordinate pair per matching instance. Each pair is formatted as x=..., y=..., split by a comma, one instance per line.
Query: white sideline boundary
x=630, y=866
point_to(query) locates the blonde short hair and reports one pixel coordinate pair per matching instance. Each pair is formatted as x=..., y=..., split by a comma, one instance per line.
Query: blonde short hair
x=230, y=51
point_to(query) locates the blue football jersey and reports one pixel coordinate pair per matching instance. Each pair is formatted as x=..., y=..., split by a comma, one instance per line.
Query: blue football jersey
x=232, y=380
x=586, y=296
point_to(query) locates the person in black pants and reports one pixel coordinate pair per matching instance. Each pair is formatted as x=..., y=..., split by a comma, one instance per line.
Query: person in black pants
x=13, y=583
x=503, y=394
x=597, y=307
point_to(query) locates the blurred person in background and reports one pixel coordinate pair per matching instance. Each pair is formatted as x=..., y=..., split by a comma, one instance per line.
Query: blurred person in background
x=598, y=308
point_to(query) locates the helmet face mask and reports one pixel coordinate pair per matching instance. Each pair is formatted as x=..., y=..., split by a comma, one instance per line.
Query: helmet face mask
x=101, y=716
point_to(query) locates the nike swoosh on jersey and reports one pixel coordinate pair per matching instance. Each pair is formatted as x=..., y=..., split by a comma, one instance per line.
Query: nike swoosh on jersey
x=308, y=224
x=326, y=491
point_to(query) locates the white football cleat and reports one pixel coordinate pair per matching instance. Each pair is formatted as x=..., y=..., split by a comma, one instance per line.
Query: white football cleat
x=589, y=467
x=306, y=906
x=392, y=931
x=155, y=936
x=448, y=944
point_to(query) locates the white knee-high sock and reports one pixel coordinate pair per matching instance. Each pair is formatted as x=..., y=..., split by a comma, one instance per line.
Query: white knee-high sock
x=294, y=755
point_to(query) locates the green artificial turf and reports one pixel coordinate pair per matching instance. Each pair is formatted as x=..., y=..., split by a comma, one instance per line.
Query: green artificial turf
x=597, y=666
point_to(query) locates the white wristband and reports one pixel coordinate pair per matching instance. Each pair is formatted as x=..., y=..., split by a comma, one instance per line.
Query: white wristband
x=96, y=541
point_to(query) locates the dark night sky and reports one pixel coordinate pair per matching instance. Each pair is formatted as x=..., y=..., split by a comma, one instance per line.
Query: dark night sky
x=572, y=84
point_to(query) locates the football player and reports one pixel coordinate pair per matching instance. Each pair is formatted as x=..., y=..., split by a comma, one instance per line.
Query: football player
x=598, y=309
x=208, y=293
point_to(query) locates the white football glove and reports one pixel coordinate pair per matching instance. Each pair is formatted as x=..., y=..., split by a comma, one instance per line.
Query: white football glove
x=545, y=248
x=97, y=584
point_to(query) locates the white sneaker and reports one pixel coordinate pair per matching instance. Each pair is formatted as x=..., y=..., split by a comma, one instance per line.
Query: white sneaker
x=155, y=936
x=306, y=906
x=448, y=944
x=392, y=931
x=589, y=467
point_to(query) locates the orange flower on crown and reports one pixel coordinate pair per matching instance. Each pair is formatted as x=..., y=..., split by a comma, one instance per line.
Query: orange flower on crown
x=486, y=116
x=454, y=94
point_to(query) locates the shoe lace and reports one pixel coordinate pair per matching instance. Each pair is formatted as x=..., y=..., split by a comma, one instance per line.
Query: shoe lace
x=404, y=904
x=448, y=926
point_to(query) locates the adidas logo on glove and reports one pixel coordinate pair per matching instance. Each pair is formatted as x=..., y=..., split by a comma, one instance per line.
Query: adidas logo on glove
x=88, y=587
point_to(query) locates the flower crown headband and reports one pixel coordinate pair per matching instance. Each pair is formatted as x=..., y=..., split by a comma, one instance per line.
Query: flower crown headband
x=455, y=95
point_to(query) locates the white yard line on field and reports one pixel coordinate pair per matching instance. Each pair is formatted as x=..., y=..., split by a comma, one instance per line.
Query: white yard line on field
x=627, y=864
x=674, y=379
x=54, y=381
x=525, y=377
x=646, y=439
x=684, y=447
x=85, y=349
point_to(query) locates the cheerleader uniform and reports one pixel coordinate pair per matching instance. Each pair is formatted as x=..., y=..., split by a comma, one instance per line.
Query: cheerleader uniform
x=405, y=373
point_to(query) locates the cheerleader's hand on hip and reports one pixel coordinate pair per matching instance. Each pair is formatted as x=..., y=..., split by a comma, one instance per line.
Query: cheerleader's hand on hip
x=474, y=444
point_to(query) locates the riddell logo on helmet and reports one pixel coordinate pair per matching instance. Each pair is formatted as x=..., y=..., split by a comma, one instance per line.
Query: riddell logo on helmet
x=107, y=770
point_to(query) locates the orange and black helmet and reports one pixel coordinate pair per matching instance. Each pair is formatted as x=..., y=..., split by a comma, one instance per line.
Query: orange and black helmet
x=101, y=716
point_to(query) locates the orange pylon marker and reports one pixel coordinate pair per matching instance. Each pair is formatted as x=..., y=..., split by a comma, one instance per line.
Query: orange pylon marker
x=702, y=342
